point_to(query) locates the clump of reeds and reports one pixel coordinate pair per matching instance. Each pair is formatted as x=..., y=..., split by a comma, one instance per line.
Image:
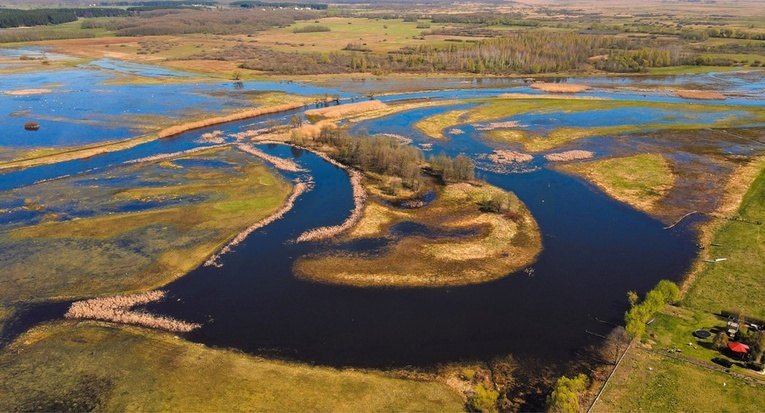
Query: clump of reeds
x=569, y=156
x=298, y=189
x=163, y=156
x=333, y=112
x=178, y=129
x=700, y=94
x=213, y=137
x=560, y=87
x=495, y=125
x=456, y=131
x=118, y=309
x=359, y=200
x=504, y=157
x=279, y=163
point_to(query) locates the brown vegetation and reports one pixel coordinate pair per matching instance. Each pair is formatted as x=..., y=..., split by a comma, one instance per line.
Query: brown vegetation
x=178, y=129
x=559, y=87
x=163, y=156
x=279, y=163
x=28, y=92
x=298, y=189
x=481, y=233
x=340, y=111
x=359, y=200
x=117, y=309
x=569, y=156
x=700, y=95
x=504, y=157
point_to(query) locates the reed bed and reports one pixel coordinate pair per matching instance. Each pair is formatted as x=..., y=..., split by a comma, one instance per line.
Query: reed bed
x=28, y=92
x=164, y=156
x=569, y=156
x=700, y=95
x=334, y=112
x=298, y=189
x=560, y=87
x=359, y=200
x=495, y=125
x=213, y=137
x=279, y=163
x=505, y=157
x=178, y=129
x=117, y=309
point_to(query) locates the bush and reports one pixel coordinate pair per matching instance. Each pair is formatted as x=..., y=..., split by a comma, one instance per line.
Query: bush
x=665, y=292
x=314, y=28
x=484, y=400
x=565, y=396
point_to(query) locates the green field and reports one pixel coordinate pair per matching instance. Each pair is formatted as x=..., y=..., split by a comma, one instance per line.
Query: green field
x=736, y=283
x=647, y=382
x=86, y=366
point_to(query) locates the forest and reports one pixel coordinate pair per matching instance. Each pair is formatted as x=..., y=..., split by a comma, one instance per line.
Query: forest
x=43, y=17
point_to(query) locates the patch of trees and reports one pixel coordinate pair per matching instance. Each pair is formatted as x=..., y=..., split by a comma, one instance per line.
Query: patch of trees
x=205, y=21
x=254, y=4
x=161, y=3
x=13, y=36
x=43, y=17
x=311, y=28
x=635, y=60
x=665, y=292
x=456, y=169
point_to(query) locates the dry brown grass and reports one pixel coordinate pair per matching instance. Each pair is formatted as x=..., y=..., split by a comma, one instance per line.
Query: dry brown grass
x=359, y=200
x=341, y=111
x=28, y=92
x=496, y=245
x=117, y=309
x=506, y=157
x=700, y=95
x=560, y=87
x=569, y=156
x=178, y=129
x=278, y=163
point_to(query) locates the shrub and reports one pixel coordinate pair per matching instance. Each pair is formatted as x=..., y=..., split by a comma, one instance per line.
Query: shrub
x=484, y=400
x=565, y=396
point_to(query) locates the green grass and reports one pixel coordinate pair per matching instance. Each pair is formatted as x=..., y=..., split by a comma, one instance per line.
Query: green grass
x=639, y=180
x=112, y=253
x=433, y=126
x=736, y=284
x=651, y=383
x=93, y=366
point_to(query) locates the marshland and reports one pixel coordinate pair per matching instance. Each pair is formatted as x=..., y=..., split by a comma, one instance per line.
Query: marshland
x=353, y=209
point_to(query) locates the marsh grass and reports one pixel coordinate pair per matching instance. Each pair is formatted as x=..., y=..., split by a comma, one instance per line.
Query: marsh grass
x=434, y=126
x=81, y=366
x=731, y=285
x=112, y=253
x=500, y=245
x=640, y=180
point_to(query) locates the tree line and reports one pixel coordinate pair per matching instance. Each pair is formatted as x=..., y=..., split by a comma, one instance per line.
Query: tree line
x=43, y=17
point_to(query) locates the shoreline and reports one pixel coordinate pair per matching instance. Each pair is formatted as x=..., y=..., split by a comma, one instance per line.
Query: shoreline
x=88, y=151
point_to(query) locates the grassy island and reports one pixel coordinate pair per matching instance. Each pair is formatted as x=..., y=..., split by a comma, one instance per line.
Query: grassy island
x=468, y=243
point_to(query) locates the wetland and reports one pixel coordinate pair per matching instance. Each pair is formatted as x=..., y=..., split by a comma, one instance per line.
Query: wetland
x=532, y=257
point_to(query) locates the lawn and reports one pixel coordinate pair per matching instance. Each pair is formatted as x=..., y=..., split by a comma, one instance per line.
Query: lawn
x=83, y=366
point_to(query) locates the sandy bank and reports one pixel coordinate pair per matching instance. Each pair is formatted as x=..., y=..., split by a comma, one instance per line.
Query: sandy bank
x=700, y=95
